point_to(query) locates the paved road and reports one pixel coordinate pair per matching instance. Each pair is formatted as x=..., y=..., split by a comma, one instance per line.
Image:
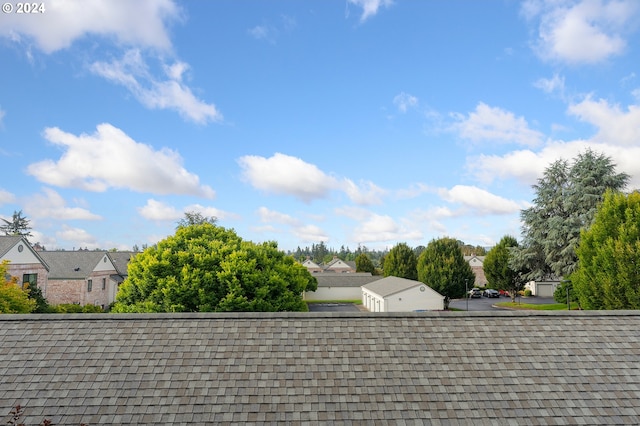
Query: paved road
x=333, y=307
x=485, y=304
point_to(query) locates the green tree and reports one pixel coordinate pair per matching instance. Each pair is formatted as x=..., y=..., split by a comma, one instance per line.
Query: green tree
x=401, y=262
x=442, y=267
x=608, y=276
x=208, y=268
x=499, y=270
x=13, y=300
x=195, y=218
x=364, y=264
x=18, y=225
x=566, y=200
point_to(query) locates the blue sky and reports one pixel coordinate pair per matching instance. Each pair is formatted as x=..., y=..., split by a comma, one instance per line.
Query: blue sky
x=350, y=122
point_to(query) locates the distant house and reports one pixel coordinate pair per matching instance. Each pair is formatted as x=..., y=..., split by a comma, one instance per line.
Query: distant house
x=476, y=263
x=543, y=288
x=80, y=277
x=339, y=286
x=394, y=294
x=120, y=260
x=25, y=263
x=335, y=265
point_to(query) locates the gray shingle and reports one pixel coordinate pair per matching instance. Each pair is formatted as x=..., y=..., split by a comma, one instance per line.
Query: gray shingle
x=440, y=367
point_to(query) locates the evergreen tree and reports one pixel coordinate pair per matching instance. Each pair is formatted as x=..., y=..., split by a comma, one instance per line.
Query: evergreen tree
x=608, y=276
x=401, y=262
x=18, y=225
x=498, y=270
x=566, y=200
x=442, y=267
x=364, y=264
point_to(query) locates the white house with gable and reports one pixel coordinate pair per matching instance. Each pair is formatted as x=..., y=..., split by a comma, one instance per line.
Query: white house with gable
x=394, y=294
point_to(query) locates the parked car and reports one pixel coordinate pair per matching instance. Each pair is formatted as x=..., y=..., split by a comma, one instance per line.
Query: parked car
x=475, y=293
x=491, y=293
x=504, y=293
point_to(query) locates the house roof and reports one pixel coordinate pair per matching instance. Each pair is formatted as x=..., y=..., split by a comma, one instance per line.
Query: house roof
x=395, y=368
x=7, y=242
x=120, y=260
x=337, y=279
x=71, y=264
x=392, y=285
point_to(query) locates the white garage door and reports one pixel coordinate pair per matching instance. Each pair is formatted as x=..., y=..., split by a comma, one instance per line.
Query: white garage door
x=544, y=290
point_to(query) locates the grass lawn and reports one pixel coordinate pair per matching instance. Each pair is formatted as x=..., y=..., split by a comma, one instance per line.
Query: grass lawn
x=532, y=306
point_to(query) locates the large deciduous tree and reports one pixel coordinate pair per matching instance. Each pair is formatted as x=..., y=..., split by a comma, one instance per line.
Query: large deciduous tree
x=608, y=275
x=401, y=262
x=207, y=268
x=498, y=270
x=566, y=199
x=442, y=267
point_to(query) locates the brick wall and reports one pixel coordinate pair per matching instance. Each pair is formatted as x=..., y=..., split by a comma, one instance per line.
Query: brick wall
x=18, y=270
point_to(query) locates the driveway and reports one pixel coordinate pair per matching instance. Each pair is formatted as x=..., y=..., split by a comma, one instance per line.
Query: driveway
x=486, y=304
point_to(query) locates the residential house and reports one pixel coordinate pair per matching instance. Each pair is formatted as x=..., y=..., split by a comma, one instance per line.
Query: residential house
x=336, y=265
x=476, y=263
x=395, y=294
x=25, y=263
x=311, y=266
x=340, y=286
x=437, y=368
x=80, y=277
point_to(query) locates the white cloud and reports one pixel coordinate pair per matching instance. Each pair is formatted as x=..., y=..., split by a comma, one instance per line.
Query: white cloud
x=383, y=228
x=111, y=159
x=2, y=114
x=284, y=174
x=6, y=197
x=80, y=238
x=366, y=194
x=490, y=124
x=271, y=32
x=158, y=211
x=615, y=126
x=133, y=73
x=370, y=7
x=585, y=31
x=404, y=101
x=480, y=201
x=413, y=191
x=305, y=232
x=51, y=205
x=551, y=85
x=142, y=22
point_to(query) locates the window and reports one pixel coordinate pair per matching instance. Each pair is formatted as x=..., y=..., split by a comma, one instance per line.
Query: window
x=89, y=285
x=104, y=283
x=30, y=280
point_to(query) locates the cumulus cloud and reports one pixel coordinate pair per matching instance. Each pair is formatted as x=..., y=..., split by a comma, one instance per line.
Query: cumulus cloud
x=480, y=201
x=585, y=31
x=495, y=125
x=169, y=92
x=50, y=204
x=284, y=174
x=365, y=194
x=405, y=101
x=80, y=238
x=109, y=158
x=413, y=191
x=287, y=175
x=615, y=126
x=161, y=212
x=305, y=232
x=370, y=7
x=6, y=197
x=383, y=228
x=142, y=22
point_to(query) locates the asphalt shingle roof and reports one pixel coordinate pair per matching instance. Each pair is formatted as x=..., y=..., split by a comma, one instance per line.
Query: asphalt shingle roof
x=442, y=368
x=71, y=264
x=354, y=279
x=392, y=285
